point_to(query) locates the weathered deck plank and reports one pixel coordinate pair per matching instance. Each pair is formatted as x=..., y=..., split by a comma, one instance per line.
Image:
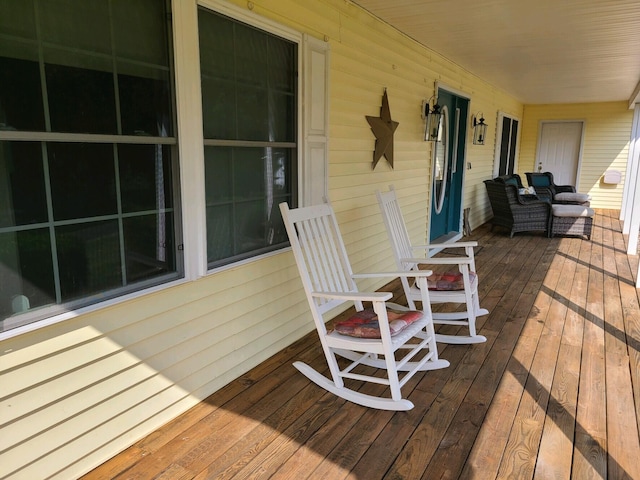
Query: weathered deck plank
x=556, y=445
x=553, y=393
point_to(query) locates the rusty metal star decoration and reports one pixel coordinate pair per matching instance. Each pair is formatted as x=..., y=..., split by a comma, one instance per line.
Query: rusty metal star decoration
x=383, y=128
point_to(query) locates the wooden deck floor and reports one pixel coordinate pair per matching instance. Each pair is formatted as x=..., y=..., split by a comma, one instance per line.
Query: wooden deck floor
x=553, y=393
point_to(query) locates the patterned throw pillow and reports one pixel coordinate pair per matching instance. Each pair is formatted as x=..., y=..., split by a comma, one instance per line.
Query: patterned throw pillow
x=364, y=324
x=448, y=280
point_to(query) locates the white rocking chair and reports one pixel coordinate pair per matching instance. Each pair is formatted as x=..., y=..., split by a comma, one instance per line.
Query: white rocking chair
x=329, y=282
x=410, y=257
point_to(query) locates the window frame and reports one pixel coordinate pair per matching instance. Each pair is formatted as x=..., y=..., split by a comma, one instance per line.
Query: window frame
x=57, y=312
x=277, y=29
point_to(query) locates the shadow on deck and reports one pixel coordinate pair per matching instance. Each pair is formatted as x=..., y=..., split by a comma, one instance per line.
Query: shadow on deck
x=553, y=393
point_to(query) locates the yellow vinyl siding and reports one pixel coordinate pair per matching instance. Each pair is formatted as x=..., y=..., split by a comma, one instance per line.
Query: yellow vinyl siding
x=362, y=66
x=607, y=130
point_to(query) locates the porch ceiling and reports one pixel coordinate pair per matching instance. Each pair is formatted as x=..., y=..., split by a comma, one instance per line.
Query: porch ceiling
x=544, y=51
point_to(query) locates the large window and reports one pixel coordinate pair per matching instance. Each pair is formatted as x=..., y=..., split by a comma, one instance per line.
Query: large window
x=249, y=101
x=88, y=177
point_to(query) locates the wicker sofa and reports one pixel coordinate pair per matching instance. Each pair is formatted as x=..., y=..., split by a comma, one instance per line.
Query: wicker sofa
x=515, y=211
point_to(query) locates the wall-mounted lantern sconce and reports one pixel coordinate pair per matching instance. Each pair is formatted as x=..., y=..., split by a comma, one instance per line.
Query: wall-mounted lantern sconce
x=479, y=129
x=432, y=127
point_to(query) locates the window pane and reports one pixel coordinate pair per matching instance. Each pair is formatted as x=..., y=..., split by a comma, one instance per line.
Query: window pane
x=149, y=246
x=244, y=173
x=283, y=126
x=81, y=100
x=140, y=31
x=144, y=103
x=283, y=173
x=18, y=19
x=249, y=223
x=251, y=56
x=88, y=258
x=21, y=106
x=219, y=114
x=218, y=167
x=216, y=43
x=145, y=177
x=78, y=24
x=252, y=172
x=282, y=61
x=505, y=167
x=254, y=122
x=26, y=271
x=219, y=233
x=22, y=188
x=244, y=188
x=248, y=77
x=82, y=180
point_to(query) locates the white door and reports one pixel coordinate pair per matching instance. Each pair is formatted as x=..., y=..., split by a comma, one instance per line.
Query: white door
x=559, y=150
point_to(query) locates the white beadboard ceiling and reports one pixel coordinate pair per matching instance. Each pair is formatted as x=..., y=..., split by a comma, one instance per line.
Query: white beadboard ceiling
x=540, y=51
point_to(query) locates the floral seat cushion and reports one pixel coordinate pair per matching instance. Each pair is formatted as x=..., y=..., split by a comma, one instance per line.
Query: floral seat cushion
x=364, y=324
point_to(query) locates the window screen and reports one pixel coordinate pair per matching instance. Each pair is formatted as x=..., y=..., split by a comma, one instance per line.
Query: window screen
x=249, y=101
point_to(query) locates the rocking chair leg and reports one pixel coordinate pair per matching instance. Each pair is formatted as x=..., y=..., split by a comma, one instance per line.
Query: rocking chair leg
x=456, y=318
x=460, y=339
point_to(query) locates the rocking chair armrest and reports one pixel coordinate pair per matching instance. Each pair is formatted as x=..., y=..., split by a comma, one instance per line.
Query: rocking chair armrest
x=355, y=296
x=399, y=273
x=442, y=246
x=439, y=260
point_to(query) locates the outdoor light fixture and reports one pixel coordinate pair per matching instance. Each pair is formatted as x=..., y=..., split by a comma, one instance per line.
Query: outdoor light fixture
x=432, y=128
x=479, y=129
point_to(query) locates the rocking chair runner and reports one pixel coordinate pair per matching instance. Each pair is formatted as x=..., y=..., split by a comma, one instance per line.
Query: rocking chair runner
x=409, y=258
x=329, y=282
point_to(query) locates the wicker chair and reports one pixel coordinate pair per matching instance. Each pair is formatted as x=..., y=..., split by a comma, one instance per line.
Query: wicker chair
x=546, y=189
x=517, y=213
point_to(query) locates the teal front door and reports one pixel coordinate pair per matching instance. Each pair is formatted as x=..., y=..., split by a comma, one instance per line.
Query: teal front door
x=448, y=168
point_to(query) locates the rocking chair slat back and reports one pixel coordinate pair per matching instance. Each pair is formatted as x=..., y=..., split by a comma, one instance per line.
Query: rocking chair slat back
x=399, y=236
x=321, y=250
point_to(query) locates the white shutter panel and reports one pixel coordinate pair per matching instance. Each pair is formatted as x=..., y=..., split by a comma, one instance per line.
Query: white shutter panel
x=315, y=162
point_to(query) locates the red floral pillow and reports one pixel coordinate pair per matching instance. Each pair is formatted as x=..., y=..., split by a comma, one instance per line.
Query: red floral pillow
x=448, y=280
x=364, y=324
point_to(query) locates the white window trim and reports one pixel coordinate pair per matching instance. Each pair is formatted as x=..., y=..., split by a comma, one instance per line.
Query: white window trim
x=190, y=136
